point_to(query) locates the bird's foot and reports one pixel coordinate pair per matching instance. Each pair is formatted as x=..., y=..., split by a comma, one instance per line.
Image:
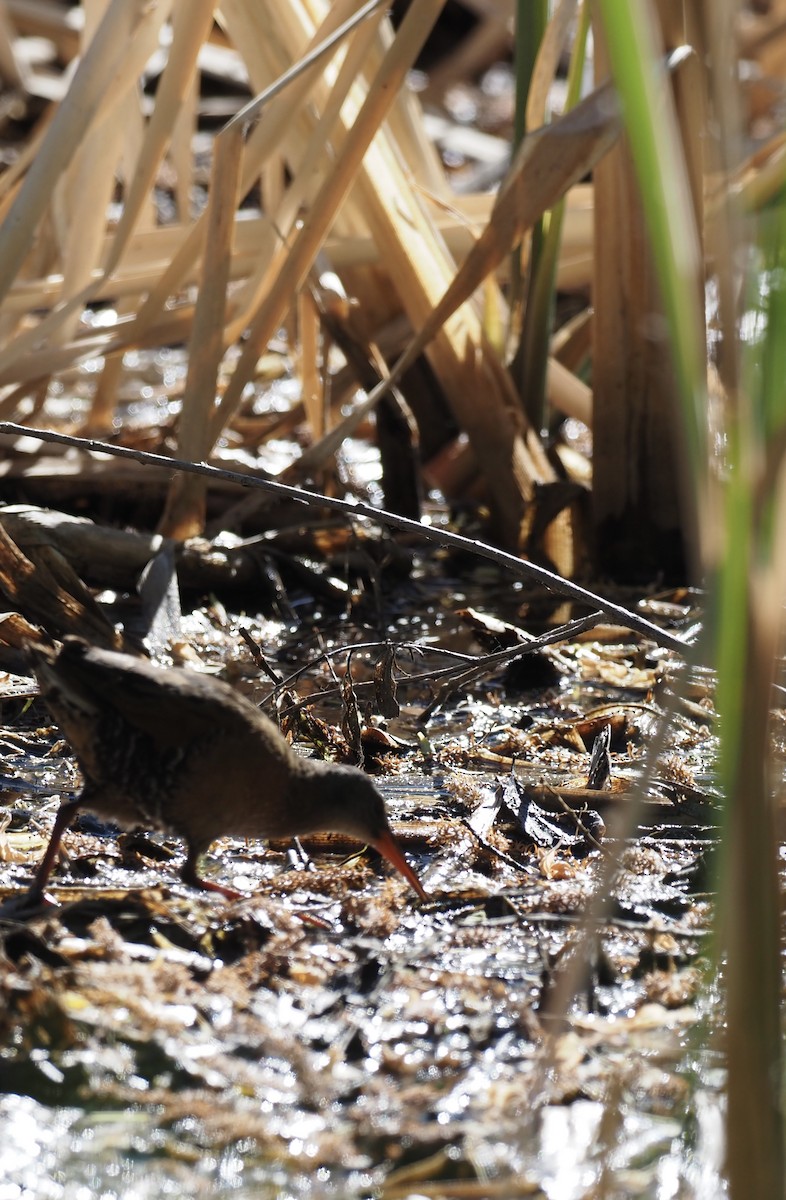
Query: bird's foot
x=191, y=876
x=24, y=906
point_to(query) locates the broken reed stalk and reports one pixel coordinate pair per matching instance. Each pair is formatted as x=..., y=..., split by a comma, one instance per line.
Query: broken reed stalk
x=184, y=513
x=263, y=140
x=330, y=195
x=151, y=250
x=546, y=165
x=277, y=237
x=109, y=68
x=191, y=24
x=95, y=84
x=644, y=514
x=312, y=378
x=380, y=192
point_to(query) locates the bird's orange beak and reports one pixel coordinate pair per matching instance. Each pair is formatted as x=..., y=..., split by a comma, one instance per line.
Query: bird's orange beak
x=389, y=848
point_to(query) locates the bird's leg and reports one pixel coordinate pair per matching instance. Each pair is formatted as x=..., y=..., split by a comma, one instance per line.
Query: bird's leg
x=191, y=876
x=65, y=815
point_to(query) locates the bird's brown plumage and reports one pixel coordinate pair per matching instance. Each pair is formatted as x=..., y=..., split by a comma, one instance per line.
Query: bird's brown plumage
x=185, y=752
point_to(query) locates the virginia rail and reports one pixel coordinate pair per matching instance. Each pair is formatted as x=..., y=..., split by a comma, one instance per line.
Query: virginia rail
x=180, y=751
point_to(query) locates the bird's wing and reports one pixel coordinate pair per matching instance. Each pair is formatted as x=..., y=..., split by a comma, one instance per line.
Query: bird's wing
x=170, y=706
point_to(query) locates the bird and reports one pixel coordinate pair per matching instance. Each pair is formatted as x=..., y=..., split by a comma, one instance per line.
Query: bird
x=176, y=750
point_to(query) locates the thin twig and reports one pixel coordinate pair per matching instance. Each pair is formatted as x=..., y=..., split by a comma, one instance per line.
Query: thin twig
x=528, y=868
x=407, y=647
x=249, y=113
x=259, y=658
x=466, y=668
x=355, y=508
x=576, y=817
x=461, y=677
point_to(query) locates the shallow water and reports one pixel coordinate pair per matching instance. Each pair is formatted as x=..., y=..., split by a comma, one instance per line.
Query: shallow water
x=329, y=1035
